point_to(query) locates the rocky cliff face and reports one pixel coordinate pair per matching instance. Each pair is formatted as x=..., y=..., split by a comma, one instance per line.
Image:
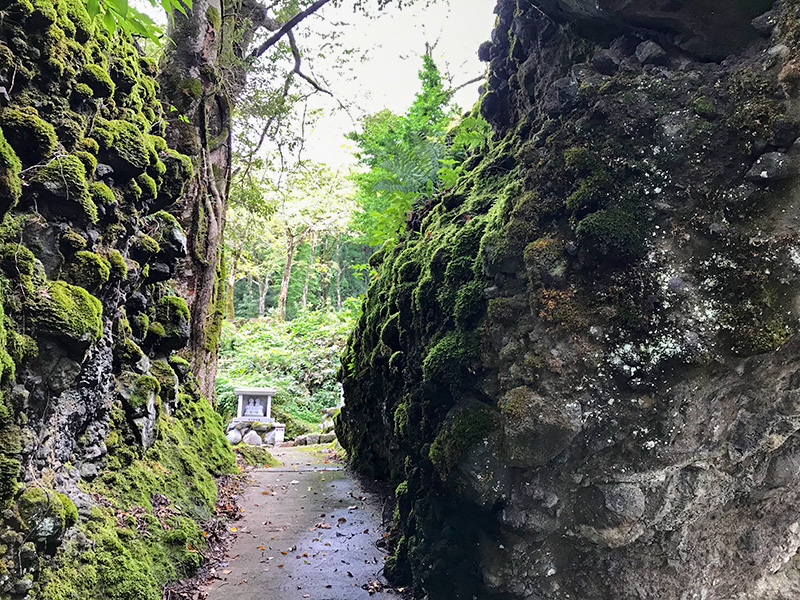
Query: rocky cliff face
x=582, y=371
x=106, y=449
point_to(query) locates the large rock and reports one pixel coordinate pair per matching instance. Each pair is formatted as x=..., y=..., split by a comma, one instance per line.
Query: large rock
x=705, y=27
x=253, y=439
x=600, y=381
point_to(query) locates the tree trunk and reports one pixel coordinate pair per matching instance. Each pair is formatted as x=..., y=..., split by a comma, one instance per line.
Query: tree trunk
x=231, y=279
x=338, y=264
x=202, y=44
x=310, y=268
x=263, y=288
x=287, y=273
x=324, y=280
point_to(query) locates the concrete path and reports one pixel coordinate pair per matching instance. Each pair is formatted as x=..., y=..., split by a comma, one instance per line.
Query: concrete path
x=308, y=532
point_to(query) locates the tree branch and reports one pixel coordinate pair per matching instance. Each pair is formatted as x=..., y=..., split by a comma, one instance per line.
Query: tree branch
x=287, y=27
x=451, y=92
x=298, y=60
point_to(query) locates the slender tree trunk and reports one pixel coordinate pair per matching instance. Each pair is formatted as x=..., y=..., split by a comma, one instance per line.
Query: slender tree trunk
x=313, y=242
x=287, y=274
x=263, y=288
x=231, y=279
x=339, y=274
x=324, y=280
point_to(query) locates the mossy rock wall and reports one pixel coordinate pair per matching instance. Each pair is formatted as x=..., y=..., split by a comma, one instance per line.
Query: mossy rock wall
x=107, y=451
x=582, y=369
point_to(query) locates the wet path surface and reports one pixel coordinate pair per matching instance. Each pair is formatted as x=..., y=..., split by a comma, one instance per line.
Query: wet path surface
x=309, y=532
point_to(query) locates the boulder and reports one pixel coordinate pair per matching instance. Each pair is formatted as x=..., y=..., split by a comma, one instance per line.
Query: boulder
x=253, y=439
x=234, y=437
x=327, y=438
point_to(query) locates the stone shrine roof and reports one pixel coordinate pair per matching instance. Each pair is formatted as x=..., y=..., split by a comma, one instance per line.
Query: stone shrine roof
x=254, y=391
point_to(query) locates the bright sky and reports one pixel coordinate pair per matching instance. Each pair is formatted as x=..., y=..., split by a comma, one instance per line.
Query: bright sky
x=393, y=44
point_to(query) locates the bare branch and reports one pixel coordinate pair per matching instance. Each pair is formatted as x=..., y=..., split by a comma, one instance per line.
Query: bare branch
x=451, y=92
x=297, y=62
x=287, y=27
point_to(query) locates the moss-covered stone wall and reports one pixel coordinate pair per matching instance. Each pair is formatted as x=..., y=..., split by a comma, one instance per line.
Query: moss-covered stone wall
x=581, y=371
x=107, y=450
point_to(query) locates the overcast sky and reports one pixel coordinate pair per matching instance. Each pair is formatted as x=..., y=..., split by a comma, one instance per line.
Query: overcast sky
x=392, y=45
x=382, y=70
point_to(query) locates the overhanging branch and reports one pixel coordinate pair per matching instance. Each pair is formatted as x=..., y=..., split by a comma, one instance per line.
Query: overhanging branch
x=287, y=27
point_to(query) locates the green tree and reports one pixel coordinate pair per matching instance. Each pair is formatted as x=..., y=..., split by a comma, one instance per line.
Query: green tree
x=410, y=158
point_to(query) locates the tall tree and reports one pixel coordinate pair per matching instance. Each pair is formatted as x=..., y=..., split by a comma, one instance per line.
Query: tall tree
x=213, y=47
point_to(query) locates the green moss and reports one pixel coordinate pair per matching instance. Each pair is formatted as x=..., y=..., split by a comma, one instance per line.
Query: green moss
x=167, y=379
x=466, y=428
x=143, y=389
x=612, y=232
x=101, y=193
x=158, y=143
x=449, y=359
x=66, y=310
x=98, y=80
x=148, y=186
x=81, y=91
x=10, y=166
x=70, y=511
x=32, y=138
x=181, y=365
x=126, y=145
x=90, y=145
x=119, y=268
x=42, y=510
x=9, y=472
x=64, y=180
x=127, y=352
x=140, y=324
x=401, y=419
x=71, y=241
x=178, y=170
x=17, y=260
x=88, y=270
x=88, y=160
x=256, y=456
x=592, y=191
x=470, y=303
x=156, y=329
x=704, y=107
x=213, y=17
x=143, y=247
x=175, y=305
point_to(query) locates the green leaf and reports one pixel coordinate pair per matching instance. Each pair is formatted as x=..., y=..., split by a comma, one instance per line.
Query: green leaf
x=109, y=23
x=119, y=7
x=93, y=8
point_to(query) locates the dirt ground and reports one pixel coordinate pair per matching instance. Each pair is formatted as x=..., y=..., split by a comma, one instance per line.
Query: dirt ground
x=309, y=531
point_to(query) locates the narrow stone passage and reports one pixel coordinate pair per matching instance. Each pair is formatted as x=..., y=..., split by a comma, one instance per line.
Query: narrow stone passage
x=309, y=532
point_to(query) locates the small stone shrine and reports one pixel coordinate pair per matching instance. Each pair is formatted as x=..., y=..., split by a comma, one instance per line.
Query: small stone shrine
x=254, y=423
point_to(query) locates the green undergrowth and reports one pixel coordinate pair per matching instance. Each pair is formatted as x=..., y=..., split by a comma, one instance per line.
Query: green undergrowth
x=298, y=358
